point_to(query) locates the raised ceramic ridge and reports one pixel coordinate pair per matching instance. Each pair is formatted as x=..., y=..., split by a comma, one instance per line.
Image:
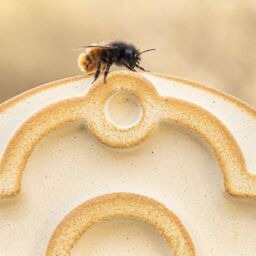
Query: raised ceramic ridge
x=128, y=205
x=90, y=108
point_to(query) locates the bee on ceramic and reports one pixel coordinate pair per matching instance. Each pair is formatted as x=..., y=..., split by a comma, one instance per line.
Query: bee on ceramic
x=99, y=58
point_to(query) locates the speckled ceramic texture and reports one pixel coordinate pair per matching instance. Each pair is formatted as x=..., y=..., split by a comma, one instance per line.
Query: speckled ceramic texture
x=120, y=205
x=185, y=137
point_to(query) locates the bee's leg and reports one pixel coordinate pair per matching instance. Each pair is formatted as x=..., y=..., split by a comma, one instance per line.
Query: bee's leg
x=138, y=66
x=127, y=66
x=107, y=71
x=97, y=73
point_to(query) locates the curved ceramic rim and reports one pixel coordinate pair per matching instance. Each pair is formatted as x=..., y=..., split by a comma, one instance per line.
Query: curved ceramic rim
x=233, y=100
x=238, y=181
x=106, y=207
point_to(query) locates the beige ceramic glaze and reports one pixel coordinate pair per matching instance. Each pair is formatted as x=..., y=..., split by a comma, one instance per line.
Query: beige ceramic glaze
x=187, y=146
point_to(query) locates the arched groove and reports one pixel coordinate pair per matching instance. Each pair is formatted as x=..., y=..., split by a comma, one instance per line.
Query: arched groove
x=238, y=181
x=21, y=146
x=142, y=208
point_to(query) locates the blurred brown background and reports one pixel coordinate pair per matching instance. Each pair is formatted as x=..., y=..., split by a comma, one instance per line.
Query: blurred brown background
x=209, y=41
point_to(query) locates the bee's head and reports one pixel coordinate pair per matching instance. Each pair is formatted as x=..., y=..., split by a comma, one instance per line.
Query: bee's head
x=129, y=55
x=133, y=56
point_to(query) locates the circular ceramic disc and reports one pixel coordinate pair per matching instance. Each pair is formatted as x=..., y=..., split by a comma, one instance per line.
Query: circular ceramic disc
x=185, y=145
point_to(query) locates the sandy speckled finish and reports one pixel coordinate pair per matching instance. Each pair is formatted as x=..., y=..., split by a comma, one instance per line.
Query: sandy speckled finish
x=90, y=108
x=47, y=147
x=128, y=205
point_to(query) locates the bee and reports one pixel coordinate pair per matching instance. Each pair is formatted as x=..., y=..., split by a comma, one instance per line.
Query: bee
x=99, y=58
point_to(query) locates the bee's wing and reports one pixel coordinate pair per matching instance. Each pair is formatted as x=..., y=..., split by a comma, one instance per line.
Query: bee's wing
x=94, y=46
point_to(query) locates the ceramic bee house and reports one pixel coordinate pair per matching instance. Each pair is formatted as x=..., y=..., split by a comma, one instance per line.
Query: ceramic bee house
x=144, y=164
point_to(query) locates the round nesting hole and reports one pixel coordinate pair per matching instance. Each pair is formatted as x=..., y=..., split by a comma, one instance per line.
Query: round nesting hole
x=123, y=109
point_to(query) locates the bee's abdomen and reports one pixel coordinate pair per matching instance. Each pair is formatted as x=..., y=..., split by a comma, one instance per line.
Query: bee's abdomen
x=88, y=61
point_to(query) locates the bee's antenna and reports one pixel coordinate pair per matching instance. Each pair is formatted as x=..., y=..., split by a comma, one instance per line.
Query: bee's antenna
x=147, y=51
